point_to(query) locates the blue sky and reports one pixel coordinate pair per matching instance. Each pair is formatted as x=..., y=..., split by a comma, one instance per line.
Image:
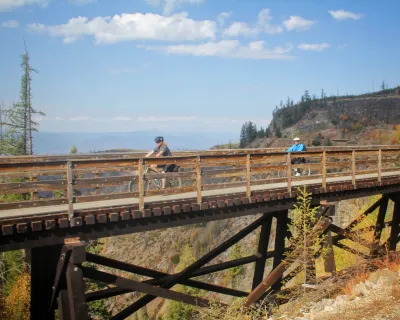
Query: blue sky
x=192, y=65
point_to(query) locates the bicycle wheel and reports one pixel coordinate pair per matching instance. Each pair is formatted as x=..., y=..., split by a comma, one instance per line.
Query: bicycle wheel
x=157, y=183
x=130, y=186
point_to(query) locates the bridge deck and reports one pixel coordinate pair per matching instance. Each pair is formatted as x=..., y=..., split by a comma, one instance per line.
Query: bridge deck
x=59, y=209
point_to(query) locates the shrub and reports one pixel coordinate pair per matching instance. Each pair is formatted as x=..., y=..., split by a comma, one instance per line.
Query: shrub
x=175, y=259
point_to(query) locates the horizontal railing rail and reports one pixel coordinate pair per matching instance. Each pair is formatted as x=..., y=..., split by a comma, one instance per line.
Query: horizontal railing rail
x=62, y=181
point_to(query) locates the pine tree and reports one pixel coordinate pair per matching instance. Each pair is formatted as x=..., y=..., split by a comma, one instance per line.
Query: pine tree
x=306, y=239
x=21, y=114
x=74, y=150
x=242, y=141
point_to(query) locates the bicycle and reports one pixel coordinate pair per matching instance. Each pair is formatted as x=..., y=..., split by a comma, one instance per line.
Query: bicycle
x=157, y=182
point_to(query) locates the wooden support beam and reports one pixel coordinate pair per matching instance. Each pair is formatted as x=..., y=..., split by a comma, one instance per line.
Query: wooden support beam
x=329, y=257
x=186, y=273
x=112, y=292
x=59, y=279
x=281, y=231
x=380, y=223
x=276, y=274
x=371, y=209
x=43, y=270
x=143, y=287
x=63, y=305
x=262, y=251
x=395, y=229
x=75, y=284
x=351, y=236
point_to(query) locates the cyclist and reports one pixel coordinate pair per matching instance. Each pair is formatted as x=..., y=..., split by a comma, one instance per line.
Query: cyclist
x=297, y=147
x=161, y=150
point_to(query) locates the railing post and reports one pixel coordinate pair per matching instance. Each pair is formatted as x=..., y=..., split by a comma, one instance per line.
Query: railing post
x=248, y=176
x=324, y=169
x=289, y=172
x=70, y=190
x=379, y=166
x=198, y=179
x=140, y=184
x=34, y=194
x=353, y=168
x=97, y=175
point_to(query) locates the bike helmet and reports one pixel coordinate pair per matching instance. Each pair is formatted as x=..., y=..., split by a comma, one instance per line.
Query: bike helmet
x=296, y=139
x=159, y=139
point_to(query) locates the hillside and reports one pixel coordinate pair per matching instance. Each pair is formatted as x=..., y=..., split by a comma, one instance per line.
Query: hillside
x=349, y=120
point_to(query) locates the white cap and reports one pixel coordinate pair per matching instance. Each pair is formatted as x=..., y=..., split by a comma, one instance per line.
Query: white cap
x=296, y=139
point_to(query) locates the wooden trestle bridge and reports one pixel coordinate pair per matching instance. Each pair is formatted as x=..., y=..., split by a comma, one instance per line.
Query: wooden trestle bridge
x=66, y=200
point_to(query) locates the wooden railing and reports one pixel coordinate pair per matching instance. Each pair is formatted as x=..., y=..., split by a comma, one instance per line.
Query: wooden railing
x=25, y=184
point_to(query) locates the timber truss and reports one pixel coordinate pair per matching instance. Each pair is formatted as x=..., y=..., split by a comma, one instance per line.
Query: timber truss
x=58, y=272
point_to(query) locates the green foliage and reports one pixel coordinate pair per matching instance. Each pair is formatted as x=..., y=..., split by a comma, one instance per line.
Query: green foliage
x=306, y=240
x=74, y=150
x=175, y=259
x=96, y=309
x=16, y=306
x=178, y=310
x=248, y=134
x=328, y=142
x=17, y=122
x=11, y=266
x=236, y=252
x=278, y=132
x=235, y=311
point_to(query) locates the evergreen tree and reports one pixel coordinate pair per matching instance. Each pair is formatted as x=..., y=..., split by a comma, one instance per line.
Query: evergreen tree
x=242, y=141
x=21, y=115
x=278, y=132
x=73, y=150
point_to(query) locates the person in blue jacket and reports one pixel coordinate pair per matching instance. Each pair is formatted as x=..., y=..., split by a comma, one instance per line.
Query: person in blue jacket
x=297, y=147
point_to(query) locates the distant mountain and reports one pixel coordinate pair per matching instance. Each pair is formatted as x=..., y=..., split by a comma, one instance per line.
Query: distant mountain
x=61, y=142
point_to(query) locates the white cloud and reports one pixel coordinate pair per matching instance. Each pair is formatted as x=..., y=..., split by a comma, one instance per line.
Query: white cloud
x=222, y=17
x=228, y=49
x=10, y=24
x=81, y=118
x=297, y=23
x=165, y=119
x=8, y=5
x=123, y=119
x=343, y=15
x=342, y=46
x=314, y=47
x=131, y=26
x=59, y=119
x=263, y=25
x=264, y=18
x=37, y=118
x=81, y=2
x=170, y=5
x=240, y=29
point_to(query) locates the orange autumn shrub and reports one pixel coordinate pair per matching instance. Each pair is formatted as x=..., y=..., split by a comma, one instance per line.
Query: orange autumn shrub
x=17, y=303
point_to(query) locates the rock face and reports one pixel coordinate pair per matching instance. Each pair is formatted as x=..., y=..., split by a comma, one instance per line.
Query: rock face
x=373, y=299
x=354, y=120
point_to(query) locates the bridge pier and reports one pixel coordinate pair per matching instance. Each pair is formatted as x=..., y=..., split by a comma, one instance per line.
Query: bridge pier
x=262, y=250
x=43, y=269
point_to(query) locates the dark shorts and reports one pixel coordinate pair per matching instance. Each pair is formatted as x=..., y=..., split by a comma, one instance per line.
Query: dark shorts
x=167, y=167
x=298, y=160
